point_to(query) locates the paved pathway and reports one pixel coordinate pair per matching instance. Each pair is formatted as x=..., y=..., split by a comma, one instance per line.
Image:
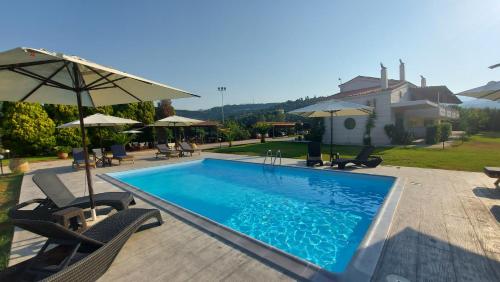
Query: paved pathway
x=446, y=228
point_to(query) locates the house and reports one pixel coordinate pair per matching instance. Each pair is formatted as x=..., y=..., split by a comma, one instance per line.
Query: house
x=397, y=102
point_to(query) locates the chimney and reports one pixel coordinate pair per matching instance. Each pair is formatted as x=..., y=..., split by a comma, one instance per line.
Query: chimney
x=384, y=83
x=401, y=70
x=423, y=81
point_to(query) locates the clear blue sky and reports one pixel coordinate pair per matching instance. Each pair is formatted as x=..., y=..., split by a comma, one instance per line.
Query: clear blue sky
x=266, y=51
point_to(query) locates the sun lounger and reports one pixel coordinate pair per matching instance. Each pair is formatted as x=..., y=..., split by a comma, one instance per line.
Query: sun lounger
x=363, y=158
x=187, y=148
x=493, y=172
x=59, y=196
x=120, y=154
x=164, y=150
x=314, y=155
x=79, y=159
x=71, y=256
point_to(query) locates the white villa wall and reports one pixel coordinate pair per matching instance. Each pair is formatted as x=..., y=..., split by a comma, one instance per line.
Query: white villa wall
x=341, y=135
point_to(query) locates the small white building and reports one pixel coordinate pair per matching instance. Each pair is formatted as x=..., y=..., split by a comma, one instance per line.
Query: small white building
x=397, y=102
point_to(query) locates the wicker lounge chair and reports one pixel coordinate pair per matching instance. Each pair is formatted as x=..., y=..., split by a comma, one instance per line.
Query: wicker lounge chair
x=187, y=148
x=77, y=256
x=314, y=155
x=363, y=158
x=164, y=150
x=59, y=196
x=79, y=159
x=120, y=154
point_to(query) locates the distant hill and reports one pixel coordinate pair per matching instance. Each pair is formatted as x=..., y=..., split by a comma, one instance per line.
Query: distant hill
x=236, y=111
x=229, y=111
x=480, y=104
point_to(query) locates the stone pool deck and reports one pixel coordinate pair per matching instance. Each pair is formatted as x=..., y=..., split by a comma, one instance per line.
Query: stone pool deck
x=446, y=228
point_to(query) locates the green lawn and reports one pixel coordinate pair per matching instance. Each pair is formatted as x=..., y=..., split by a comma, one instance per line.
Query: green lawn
x=34, y=159
x=10, y=186
x=481, y=150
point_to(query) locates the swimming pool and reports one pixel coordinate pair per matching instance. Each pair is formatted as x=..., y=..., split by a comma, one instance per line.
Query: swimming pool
x=318, y=216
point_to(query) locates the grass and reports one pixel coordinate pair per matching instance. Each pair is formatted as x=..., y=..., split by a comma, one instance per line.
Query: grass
x=35, y=159
x=10, y=186
x=479, y=151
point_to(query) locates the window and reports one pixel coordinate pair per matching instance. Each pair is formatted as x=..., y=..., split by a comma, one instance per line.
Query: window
x=349, y=123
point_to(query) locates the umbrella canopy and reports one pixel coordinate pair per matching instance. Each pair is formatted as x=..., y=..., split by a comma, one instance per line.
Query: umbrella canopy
x=173, y=121
x=99, y=120
x=490, y=91
x=37, y=75
x=131, y=132
x=332, y=108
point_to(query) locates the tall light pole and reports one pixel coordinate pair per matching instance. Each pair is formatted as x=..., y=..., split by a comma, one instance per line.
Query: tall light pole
x=222, y=89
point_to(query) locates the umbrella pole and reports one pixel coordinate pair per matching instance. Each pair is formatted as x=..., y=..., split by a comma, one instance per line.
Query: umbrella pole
x=100, y=139
x=84, y=142
x=331, y=137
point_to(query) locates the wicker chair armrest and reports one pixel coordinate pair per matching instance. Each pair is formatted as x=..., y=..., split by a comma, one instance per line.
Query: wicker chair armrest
x=30, y=202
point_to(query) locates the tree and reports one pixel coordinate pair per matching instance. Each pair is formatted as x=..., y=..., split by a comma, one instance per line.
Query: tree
x=166, y=109
x=62, y=114
x=28, y=129
x=262, y=128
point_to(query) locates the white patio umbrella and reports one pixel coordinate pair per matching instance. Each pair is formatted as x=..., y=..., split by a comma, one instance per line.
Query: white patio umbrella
x=40, y=76
x=176, y=121
x=490, y=91
x=131, y=132
x=332, y=108
x=99, y=120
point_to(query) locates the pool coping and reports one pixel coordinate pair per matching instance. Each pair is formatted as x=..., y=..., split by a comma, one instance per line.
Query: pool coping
x=360, y=268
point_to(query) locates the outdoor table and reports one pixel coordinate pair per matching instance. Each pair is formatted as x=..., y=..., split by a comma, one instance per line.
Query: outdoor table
x=71, y=217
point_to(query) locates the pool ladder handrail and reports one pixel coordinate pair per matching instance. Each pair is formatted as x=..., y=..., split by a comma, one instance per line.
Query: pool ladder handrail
x=278, y=153
x=269, y=154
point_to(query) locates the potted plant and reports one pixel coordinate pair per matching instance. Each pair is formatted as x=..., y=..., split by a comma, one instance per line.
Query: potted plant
x=62, y=152
x=19, y=165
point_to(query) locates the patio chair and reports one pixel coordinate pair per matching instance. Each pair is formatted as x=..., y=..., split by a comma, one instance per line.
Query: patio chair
x=79, y=159
x=164, y=150
x=71, y=256
x=314, y=155
x=187, y=148
x=59, y=196
x=99, y=157
x=363, y=158
x=120, y=154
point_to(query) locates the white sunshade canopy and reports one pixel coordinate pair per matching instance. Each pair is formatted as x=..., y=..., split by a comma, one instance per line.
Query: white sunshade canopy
x=37, y=75
x=173, y=121
x=131, y=132
x=99, y=120
x=333, y=107
x=490, y=91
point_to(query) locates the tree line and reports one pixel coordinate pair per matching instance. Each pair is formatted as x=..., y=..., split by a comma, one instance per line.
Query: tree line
x=30, y=128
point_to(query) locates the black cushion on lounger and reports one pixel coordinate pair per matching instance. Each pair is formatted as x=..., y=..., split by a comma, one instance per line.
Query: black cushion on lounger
x=61, y=196
x=119, y=151
x=314, y=154
x=77, y=256
x=363, y=158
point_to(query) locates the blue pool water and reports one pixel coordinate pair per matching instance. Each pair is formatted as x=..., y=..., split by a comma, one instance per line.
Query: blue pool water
x=319, y=216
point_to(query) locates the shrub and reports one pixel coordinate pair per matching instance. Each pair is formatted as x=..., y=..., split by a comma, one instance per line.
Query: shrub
x=432, y=134
x=121, y=139
x=445, y=131
x=27, y=128
x=398, y=135
x=317, y=130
